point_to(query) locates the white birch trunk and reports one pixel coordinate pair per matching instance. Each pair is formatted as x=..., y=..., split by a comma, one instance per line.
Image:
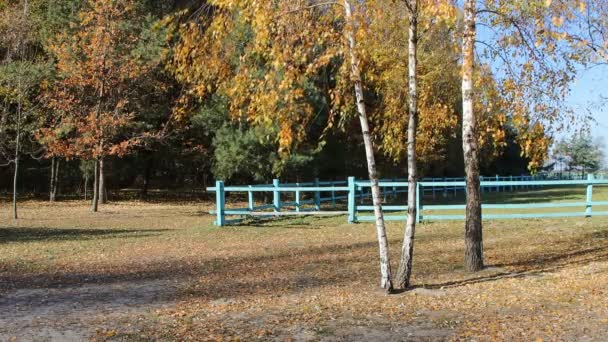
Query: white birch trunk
x=385, y=268
x=407, y=252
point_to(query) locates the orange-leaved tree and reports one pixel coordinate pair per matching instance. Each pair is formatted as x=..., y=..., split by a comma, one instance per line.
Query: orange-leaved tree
x=97, y=70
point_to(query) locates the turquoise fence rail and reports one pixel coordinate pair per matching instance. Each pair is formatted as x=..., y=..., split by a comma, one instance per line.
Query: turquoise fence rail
x=585, y=208
x=308, y=198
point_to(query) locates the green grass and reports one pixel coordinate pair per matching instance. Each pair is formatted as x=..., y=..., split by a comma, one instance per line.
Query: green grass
x=539, y=195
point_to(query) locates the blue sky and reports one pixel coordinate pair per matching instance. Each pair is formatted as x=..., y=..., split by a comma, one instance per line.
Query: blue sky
x=585, y=96
x=586, y=91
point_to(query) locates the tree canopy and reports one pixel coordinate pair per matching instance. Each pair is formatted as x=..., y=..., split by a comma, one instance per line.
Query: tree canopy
x=246, y=91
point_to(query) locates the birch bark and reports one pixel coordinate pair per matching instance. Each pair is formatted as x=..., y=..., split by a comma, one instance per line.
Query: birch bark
x=385, y=268
x=407, y=252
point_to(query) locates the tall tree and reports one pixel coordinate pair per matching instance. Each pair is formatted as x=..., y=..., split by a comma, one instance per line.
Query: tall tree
x=407, y=252
x=473, y=224
x=20, y=74
x=283, y=63
x=581, y=153
x=533, y=67
x=386, y=281
x=93, y=102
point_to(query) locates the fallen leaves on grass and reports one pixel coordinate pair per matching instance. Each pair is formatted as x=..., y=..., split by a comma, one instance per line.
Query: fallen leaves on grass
x=317, y=280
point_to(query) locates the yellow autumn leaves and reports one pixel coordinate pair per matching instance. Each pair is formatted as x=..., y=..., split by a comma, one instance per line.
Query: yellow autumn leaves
x=279, y=62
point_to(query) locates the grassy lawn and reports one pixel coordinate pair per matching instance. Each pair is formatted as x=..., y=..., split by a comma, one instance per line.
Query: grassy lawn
x=140, y=271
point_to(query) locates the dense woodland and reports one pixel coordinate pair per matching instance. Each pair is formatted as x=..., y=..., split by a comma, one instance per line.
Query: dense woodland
x=105, y=95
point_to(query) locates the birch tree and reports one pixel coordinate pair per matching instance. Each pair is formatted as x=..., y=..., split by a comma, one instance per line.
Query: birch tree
x=407, y=252
x=532, y=48
x=386, y=281
x=473, y=224
x=280, y=51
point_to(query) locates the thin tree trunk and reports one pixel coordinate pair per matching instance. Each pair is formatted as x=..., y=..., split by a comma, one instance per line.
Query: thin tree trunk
x=98, y=169
x=407, y=252
x=102, y=184
x=56, y=188
x=15, y=175
x=17, y=156
x=95, y=200
x=386, y=281
x=52, y=185
x=54, y=179
x=86, y=185
x=473, y=224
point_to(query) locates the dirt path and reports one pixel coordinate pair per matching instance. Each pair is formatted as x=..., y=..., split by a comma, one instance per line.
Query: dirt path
x=75, y=313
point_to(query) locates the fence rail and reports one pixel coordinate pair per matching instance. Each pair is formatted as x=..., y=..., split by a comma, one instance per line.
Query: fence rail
x=586, y=206
x=308, y=198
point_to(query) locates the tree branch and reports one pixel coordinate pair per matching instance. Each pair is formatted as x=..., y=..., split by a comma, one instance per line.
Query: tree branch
x=309, y=7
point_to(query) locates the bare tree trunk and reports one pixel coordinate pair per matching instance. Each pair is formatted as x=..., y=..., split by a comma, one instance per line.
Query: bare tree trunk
x=17, y=157
x=56, y=183
x=52, y=185
x=95, y=201
x=15, y=175
x=386, y=281
x=473, y=225
x=86, y=185
x=407, y=252
x=98, y=169
x=54, y=179
x=102, y=183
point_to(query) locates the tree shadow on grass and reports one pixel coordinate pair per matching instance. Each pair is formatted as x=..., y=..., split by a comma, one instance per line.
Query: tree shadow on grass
x=27, y=234
x=303, y=221
x=535, y=266
x=276, y=269
x=281, y=273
